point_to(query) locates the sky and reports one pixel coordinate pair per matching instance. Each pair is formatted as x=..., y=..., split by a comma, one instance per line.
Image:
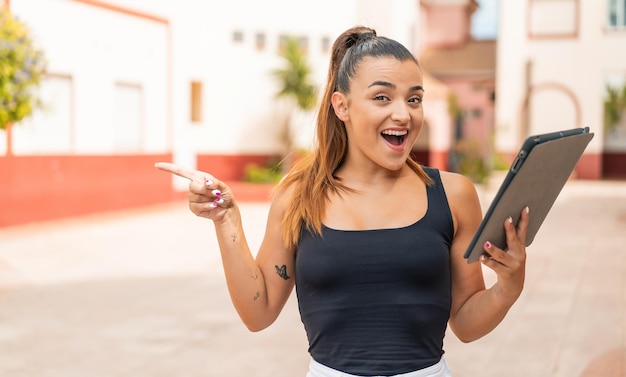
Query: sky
x=485, y=20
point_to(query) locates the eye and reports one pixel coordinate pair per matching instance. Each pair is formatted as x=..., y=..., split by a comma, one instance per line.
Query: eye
x=381, y=97
x=415, y=99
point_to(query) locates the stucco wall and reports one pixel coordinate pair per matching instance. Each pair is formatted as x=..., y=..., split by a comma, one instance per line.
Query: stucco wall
x=566, y=77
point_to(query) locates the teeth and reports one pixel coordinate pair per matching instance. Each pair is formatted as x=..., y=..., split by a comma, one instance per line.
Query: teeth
x=394, y=132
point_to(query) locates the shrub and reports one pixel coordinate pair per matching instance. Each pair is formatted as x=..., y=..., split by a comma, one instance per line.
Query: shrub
x=21, y=67
x=270, y=173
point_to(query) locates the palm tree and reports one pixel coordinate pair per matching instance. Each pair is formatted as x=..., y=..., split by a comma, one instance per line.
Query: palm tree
x=296, y=87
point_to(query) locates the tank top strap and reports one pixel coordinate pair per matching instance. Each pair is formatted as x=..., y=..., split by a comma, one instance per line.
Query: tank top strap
x=438, y=206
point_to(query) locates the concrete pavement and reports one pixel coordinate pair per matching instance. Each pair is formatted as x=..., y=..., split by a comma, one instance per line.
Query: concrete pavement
x=141, y=293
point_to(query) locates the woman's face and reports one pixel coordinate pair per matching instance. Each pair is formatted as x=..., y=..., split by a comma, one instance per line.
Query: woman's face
x=383, y=112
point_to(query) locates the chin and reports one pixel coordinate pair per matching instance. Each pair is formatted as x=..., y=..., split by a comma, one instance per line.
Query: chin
x=395, y=166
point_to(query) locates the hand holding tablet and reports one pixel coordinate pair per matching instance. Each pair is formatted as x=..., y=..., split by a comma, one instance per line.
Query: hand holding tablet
x=535, y=179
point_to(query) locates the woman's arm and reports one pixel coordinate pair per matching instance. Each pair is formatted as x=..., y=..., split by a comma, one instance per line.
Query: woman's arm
x=258, y=287
x=476, y=311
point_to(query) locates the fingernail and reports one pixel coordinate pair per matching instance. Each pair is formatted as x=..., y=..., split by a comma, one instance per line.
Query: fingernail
x=482, y=257
x=219, y=201
x=527, y=209
x=208, y=182
x=509, y=219
x=487, y=245
x=216, y=192
x=213, y=205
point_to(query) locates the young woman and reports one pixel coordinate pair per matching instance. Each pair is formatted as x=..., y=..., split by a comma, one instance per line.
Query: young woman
x=372, y=241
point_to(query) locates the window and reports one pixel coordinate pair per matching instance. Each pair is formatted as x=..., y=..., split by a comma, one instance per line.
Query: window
x=617, y=13
x=238, y=36
x=304, y=43
x=196, y=101
x=282, y=42
x=259, y=40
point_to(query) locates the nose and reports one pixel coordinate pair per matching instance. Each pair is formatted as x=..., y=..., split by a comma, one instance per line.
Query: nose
x=401, y=113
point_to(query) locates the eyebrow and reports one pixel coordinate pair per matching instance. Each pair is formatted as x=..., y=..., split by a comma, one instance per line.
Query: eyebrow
x=393, y=86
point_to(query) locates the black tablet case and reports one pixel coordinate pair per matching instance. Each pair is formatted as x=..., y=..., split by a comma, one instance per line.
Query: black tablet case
x=535, y=179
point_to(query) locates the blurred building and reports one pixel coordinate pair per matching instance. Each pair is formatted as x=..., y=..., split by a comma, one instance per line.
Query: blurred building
x=132, y=82
x=467, y=68
x=555, y=59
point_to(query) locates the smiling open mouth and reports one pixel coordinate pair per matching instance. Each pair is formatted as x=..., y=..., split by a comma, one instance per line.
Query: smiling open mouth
x=394, y=137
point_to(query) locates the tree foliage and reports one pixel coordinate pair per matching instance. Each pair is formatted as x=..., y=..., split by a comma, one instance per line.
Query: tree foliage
x=21, y=67
x=295, y=84
x=294, y=78
x=614, y=106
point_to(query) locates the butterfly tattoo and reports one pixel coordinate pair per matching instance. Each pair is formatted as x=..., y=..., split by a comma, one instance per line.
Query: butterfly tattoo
x=282, y=271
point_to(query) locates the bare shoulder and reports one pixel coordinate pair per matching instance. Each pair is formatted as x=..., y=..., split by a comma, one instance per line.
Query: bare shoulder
x=282, y=197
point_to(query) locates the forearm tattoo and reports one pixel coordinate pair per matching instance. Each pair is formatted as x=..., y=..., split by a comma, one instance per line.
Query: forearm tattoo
x=234, y=237
x=282, y=271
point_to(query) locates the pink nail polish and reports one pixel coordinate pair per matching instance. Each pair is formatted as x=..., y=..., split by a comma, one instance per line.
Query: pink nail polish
x=488, y=245
x=216, y=192
x=208, y=182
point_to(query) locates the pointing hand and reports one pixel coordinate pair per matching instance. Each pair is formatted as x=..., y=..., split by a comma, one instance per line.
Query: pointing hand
x=208, y=197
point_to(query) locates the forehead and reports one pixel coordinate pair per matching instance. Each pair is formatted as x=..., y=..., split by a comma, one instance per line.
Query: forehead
x=388, y=69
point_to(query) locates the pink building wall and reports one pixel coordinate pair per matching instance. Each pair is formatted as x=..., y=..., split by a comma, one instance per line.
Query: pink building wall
x=445, y=25
x=475, y=96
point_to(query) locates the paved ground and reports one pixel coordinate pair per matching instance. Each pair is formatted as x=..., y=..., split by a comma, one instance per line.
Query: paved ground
x=141, y=293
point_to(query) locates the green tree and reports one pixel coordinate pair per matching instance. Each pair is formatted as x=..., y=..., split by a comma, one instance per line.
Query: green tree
x=21, y=67
x=614, y=106
x=295, y=85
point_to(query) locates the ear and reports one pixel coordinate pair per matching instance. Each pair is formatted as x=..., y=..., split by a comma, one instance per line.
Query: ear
x=340, y=106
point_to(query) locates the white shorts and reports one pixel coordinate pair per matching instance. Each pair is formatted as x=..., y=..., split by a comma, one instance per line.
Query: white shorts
x=438, y=370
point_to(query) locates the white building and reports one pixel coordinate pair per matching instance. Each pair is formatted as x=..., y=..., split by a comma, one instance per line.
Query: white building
x=128, y=77
x=131, y=82
x=555, y=58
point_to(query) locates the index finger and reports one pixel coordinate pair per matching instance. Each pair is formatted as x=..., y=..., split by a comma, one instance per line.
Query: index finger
x=192, y=175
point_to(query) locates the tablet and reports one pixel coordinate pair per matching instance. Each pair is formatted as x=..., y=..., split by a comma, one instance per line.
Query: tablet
x=541, y=168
